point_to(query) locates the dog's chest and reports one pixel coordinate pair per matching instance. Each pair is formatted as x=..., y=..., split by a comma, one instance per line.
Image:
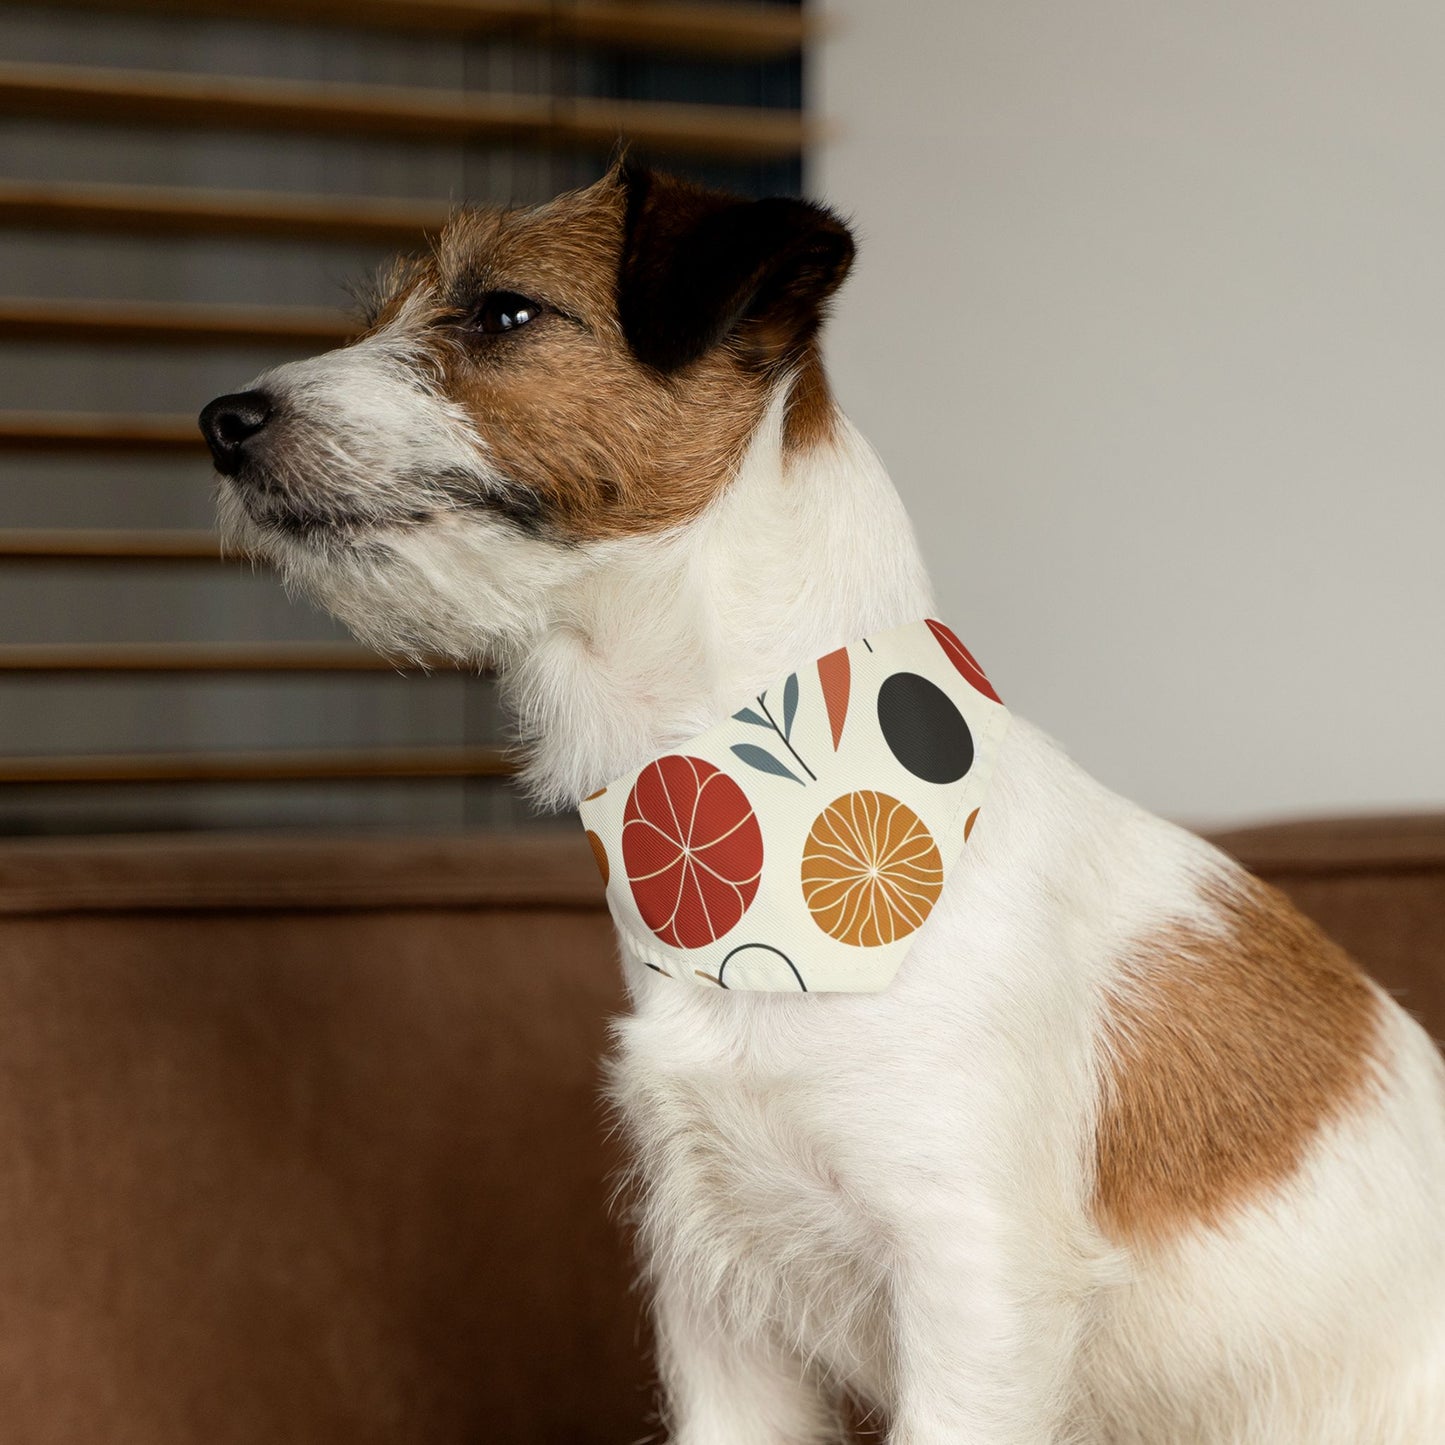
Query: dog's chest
x=749, y=1183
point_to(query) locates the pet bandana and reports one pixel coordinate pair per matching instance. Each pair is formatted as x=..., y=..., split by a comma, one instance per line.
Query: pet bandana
x=801, y=843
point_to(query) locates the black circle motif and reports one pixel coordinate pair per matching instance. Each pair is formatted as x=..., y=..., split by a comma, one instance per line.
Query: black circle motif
x=926, y=732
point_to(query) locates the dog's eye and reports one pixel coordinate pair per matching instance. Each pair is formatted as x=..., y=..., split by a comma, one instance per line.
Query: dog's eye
x=504, y=311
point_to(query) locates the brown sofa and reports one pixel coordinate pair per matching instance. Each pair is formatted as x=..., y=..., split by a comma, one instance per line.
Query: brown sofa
x=302, y=1140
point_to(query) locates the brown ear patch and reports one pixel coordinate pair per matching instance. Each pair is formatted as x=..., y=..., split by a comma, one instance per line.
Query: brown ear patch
x=1225, y=1054
x=666, y=317
x=600, y=444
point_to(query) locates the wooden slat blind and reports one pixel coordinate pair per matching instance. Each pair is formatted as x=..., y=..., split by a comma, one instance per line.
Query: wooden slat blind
x=271, y=766
x=222, y=102
x=171, y=211
x=191, y=657
x=83, y=431
x=736, y=30
x=83, y=544
x=227, y=104
x=173, y=324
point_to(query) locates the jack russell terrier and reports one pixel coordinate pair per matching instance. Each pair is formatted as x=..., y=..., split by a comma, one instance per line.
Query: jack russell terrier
x=956, y=1085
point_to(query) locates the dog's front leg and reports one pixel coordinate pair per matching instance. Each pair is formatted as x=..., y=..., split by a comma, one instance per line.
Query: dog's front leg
x=985, y=1343
x=722, y=1386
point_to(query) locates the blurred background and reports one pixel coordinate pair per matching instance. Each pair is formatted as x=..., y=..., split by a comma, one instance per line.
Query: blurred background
x=1149, y=324
x=187, y=194
x=301, y=1009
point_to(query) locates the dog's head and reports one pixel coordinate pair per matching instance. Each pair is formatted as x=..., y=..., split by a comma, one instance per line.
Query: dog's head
x=544, y=383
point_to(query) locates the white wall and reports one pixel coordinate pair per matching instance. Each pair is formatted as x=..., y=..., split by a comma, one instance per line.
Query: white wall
x=1149, y=324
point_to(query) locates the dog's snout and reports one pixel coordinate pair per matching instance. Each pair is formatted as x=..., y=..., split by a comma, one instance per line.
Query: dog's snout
x=229, y=422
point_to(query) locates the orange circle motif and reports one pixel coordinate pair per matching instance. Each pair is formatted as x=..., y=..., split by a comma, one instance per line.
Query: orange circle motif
x=599, y=852
x=871, y=870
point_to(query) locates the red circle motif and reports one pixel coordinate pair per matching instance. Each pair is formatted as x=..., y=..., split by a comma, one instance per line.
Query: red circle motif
x=962, y=659
x=692, y=850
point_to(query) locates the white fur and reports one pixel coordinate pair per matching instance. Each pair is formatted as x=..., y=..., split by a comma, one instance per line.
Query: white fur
x=889, y=1193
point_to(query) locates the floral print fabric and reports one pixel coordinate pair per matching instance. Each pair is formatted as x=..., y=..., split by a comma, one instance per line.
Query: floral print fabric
x=802, y=843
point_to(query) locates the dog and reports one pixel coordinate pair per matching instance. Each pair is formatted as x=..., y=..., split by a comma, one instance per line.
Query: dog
x=1127, y=1151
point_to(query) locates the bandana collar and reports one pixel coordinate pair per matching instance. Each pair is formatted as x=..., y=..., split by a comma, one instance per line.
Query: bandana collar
x=802, y=843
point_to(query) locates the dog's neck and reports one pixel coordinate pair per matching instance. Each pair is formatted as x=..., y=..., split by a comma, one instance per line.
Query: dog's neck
x=803, y=552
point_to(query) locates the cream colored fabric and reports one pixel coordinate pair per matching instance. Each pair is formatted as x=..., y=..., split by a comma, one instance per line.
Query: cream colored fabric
x=802, y=843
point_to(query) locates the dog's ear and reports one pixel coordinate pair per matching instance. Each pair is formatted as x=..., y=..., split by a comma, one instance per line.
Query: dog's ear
x=700, y=266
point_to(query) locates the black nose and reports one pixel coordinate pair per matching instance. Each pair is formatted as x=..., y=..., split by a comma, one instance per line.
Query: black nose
x=229, y=422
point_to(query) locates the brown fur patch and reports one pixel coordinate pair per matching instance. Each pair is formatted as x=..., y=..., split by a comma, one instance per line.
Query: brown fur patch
x=605, y=445
x=811, y=416
x=1226, y=1053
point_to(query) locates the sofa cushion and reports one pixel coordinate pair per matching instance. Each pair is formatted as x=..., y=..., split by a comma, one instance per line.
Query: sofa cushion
x=303, y=1143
